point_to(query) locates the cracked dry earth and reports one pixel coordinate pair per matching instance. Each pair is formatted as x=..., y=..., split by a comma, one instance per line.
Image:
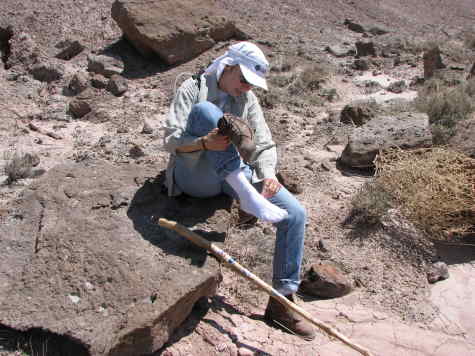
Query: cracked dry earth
x=393, y=311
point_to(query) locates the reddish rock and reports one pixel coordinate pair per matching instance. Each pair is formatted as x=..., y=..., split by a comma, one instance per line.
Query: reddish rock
x=325, y=280
x=174, y=30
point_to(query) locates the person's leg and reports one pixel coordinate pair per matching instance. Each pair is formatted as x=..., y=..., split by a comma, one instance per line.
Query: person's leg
x=289, y=243
x=287, y=262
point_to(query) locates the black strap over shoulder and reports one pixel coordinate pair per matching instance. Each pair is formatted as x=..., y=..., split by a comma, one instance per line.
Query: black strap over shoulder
x=197, y=77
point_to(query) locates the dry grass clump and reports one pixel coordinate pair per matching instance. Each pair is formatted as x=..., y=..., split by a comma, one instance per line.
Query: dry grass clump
x=445, y=106
x=434, y=188
x=17, y=166
x=370, y=204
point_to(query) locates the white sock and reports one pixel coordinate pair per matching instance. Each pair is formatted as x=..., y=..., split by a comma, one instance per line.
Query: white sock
x=251, y=201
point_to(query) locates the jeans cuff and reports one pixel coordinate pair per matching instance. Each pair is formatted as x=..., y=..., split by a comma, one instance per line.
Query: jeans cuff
x=286, y=286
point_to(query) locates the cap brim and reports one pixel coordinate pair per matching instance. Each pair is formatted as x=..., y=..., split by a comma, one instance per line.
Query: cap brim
x=253, y=78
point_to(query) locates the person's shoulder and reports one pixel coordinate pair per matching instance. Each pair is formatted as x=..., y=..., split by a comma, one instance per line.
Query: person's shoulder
x=188, y=87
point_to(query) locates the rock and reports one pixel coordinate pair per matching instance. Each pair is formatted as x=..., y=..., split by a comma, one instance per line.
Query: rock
x=47, y=72
x=438, y=272
x=186, y=31
x=105, y=65
x=405, y=130
x=432, y=62
x=147, y=128
x=364, y=49
x=79, y=108
x=78, y=83
x=117, y=85
x=289, y=181
x=360, y=64
x=99, y=82
x=136, y=151
x=353, y=26
x=325, y=280
x=378, y=30
x=340, y=51
x=397, y=87
x=69, y=49
x=358, y=112
x=110, y=280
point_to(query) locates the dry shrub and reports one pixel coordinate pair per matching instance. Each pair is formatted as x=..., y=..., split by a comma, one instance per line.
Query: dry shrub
x=370, y=204
x=445, y=106
x=17, y=166
x=434, y=188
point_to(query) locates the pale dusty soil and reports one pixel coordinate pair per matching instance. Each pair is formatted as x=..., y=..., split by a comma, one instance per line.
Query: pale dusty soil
x=393, y=311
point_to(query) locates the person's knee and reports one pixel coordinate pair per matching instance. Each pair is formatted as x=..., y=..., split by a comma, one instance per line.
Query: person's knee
x=207, y=112
x=297, y=212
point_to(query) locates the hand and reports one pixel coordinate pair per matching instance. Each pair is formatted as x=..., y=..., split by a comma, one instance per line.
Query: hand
x=270, y=187
x=216, y=142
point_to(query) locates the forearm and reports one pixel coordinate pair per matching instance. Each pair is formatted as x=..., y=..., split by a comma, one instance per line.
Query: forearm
x=197, y=145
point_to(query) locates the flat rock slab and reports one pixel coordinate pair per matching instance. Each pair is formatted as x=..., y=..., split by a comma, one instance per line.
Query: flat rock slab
x=406, y=130
x=81, y=259
x=174, y=30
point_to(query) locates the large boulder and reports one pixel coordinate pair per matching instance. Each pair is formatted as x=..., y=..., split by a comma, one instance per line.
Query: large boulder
x=81, y=259
x=406, y=130
x=174, y=30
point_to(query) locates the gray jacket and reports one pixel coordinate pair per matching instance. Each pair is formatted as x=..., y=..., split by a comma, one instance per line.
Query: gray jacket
x=245, y=106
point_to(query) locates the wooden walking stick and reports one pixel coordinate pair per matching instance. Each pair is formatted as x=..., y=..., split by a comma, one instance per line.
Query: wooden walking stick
x=231, y=263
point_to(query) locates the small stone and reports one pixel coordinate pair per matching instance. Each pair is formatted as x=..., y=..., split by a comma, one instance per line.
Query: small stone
x=147, y=128
x=98, y=81
x=74, y=298
x=79, y=108
x=105, y=65
x=438, y=272
x=136, y=151
x=69, y=49
x=117, y=85
x=397, y=87
x=322, y=245
x=78, y=83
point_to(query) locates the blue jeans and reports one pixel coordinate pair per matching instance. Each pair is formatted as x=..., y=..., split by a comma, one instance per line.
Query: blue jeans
x=206, y=178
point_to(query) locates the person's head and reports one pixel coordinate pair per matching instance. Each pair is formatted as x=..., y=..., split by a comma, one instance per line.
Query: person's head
x=240, y=68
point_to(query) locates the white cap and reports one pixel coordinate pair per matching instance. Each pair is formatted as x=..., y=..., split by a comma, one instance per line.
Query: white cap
x=254, y=65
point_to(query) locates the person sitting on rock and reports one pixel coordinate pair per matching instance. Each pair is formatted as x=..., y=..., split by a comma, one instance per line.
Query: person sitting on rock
x=219, y=143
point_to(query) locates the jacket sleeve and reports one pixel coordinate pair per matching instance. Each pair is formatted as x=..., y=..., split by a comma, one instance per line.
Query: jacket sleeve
x=265, y=157
x=180, y=108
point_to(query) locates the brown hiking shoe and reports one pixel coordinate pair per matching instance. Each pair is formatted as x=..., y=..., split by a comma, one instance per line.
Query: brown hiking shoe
x=240, y=134
x=288, y=319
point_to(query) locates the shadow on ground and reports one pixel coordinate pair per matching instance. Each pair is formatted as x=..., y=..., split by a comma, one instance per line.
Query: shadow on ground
x=151, y=202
